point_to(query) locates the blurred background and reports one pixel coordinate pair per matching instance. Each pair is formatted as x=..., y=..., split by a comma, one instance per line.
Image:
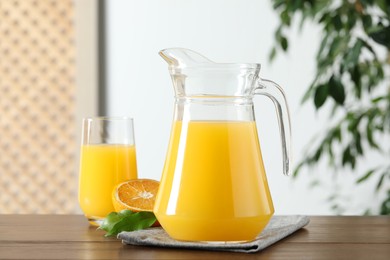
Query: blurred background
x=63, y=60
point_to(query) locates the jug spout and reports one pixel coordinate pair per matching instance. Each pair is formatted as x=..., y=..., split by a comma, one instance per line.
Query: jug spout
x=194, y=75
x=181, y=57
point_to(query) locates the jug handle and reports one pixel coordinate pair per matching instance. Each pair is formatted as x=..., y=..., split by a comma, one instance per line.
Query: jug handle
x=276, y=94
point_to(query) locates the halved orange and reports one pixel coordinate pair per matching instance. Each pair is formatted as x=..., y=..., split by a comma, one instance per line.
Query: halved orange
x=135, y=195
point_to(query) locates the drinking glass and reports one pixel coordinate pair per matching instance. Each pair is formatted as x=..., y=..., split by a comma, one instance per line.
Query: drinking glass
x=108, y=157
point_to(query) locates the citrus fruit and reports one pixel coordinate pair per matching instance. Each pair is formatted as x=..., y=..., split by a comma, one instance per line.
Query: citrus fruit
x=135, y=195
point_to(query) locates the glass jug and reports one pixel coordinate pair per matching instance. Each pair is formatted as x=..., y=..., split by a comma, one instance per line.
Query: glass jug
x=213, y=186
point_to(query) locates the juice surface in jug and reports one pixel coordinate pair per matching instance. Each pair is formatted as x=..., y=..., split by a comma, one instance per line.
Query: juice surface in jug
x=217, y=168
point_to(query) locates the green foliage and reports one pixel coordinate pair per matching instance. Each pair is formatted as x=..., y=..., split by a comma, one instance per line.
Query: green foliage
x=126, y=220
x=352, y=76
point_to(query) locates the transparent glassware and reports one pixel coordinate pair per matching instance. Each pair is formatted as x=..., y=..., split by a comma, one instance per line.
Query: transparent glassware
x=214, y=187
x=108, y=157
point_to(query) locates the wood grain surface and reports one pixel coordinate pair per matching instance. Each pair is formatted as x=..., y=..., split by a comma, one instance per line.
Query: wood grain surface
x=70, y=237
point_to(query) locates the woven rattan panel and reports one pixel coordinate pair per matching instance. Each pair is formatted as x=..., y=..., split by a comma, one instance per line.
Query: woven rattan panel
x=37, y=107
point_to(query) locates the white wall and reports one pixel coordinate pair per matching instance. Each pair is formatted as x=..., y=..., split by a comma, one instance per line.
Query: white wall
x=225, y=31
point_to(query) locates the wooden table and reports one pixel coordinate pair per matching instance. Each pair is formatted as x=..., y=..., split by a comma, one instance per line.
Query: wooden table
x=70, y=237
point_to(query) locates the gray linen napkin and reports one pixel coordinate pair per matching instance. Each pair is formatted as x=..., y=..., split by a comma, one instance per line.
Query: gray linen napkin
x=278, y=228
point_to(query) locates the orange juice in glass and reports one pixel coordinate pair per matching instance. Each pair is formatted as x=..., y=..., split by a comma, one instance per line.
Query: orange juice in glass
x=108, y=157
x=219, y=173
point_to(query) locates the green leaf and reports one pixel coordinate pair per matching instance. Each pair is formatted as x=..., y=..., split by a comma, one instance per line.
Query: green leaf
x=351, y=19
x=380, y=182
x=320, y=95
x=358, y=143
x=334, y=109
x=346, y=156
x=369, y=133
x=367, y=22
x=284, y=43
x=367, y=212
x=308, y=94
x=338, y=44
x=330, y=154
x=272, y=54
x=278, y=3
x=285, y=17
x=126, y=220
x=353, y=121
x=110, y=221
x=352, y=57
x=365, y=176
x=325, y=16
x=382, y=36
x=296, y=5
x=336, y=22
x=337, y=134
x=297, y=169
x=377, y=99
x=305, y=14
x=385, y=206
x=355, y=52
x=336, y=90
x=355, y=77
x=318, y=153
x=323, y=44
x=384, y=5
x=281, y=39
x=369, y=47
x=278, y=32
